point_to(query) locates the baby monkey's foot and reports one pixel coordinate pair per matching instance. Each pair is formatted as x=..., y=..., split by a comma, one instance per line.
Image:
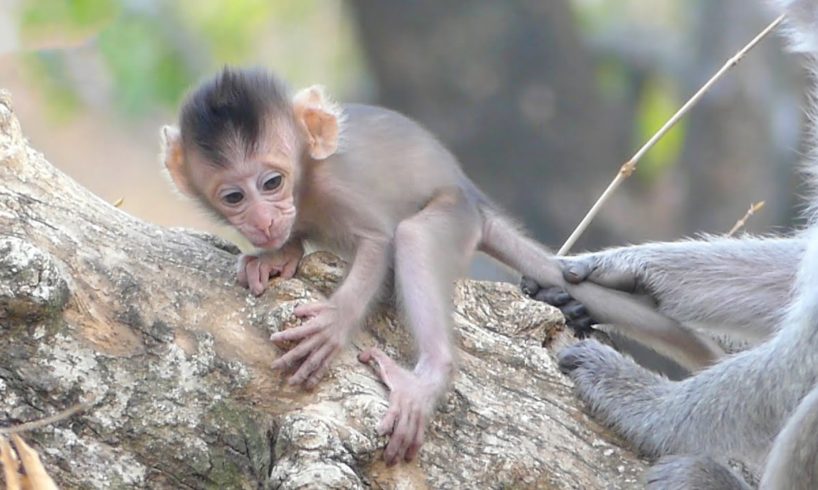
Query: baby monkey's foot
x=412, y=400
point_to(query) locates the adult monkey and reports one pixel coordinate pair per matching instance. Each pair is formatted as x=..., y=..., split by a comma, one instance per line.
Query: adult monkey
x=759, y=406
x=376, y=188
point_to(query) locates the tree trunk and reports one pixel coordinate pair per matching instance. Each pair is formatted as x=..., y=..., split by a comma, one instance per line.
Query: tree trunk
x=149, y=324
x=729, y=159
x=509, y=86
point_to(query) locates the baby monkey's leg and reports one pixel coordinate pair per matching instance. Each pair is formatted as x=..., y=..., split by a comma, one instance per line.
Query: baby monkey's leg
x=432, y=249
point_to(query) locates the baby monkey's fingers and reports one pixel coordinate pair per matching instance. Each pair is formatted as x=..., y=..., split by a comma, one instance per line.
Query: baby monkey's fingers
x=316, y=362
x=289, y=359
x=403, y=433
x=312, y=309
x=297, y=333
x=384, y=364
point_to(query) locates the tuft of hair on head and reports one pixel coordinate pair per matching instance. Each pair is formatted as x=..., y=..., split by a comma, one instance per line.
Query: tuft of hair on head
x=231, y=111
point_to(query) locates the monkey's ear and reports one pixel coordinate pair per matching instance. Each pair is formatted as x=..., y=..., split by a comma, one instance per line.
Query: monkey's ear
x=320, y=118
x=174, y=159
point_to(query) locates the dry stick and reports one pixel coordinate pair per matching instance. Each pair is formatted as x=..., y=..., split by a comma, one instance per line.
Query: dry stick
x=754, y=208
x=36, y=424
x=629, y=167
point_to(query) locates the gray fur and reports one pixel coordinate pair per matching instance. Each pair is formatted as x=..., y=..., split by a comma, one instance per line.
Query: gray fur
x=793, y=461
x=692, y=472
x=737, y=286
x=503, y=241
x=758, y=406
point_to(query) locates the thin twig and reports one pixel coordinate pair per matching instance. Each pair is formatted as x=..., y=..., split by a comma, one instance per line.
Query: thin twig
x=629, y=167
x=51, y=419
x=754, y=208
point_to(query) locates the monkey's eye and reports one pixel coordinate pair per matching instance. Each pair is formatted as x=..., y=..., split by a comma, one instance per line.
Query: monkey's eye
x=234, y=197
x=273, y=183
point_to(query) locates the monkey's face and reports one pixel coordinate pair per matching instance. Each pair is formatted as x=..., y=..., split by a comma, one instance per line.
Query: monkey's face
x=254, y=195
x=246, y=147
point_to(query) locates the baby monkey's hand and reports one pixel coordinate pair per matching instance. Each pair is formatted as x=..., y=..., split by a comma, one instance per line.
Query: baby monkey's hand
x=255, y=270
x=320, y=338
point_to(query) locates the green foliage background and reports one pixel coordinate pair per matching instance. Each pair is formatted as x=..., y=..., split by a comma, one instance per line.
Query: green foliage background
x=152, y=51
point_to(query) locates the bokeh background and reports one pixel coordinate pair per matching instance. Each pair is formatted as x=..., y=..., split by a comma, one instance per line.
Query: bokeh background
x=541, y=100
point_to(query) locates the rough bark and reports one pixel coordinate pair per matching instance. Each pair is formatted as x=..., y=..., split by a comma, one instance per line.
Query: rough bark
x=149, y=324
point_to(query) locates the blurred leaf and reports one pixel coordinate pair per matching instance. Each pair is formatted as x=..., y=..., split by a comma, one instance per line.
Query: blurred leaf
x=612, y=78
x=230, y=28
x=152, y=50
x=57, y=23
x=598, y=16
x=146, y=65
x=48, y=71
x=656, y=105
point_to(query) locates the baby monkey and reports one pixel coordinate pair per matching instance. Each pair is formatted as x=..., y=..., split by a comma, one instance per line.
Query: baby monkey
x=372, y=186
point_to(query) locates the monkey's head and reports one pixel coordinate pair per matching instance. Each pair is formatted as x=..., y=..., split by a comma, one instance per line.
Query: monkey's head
x=241, y=145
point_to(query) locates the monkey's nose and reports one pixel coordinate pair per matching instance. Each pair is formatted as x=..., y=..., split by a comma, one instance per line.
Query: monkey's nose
x=265, y=233
x=269, y=231
x=264, y=227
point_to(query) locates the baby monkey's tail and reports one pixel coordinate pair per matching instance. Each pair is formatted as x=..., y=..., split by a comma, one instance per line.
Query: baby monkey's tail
x=507, y=242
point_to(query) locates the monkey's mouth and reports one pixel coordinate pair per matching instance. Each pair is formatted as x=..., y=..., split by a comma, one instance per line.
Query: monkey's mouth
x=274, y=243
x=274, y=239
